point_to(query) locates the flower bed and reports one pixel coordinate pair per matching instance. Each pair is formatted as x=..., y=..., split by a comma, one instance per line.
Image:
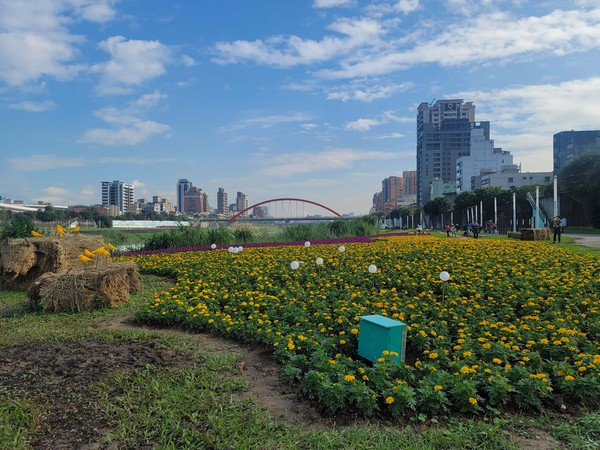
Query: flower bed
x=517, y=324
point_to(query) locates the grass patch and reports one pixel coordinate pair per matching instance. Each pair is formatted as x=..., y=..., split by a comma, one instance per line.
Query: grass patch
x=19, y=325
x=18, y=420
x=198, y=409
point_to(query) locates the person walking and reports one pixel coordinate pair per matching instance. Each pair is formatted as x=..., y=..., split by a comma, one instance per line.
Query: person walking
x=476, y=228
x=557, y=228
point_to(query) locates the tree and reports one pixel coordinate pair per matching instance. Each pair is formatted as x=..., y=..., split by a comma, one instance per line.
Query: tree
x=437, y=207
x=580, y=180
x=48, y=214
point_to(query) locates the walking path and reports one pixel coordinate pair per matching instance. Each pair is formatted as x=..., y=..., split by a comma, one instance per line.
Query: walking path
x=588, y=240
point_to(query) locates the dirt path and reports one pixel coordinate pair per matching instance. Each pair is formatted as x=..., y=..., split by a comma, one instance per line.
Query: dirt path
x=266, y=388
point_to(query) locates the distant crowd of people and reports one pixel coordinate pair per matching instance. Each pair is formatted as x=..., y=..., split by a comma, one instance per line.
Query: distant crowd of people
x=470, y=229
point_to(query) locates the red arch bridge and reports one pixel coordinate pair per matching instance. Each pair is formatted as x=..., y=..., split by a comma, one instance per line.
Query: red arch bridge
x=288, y=208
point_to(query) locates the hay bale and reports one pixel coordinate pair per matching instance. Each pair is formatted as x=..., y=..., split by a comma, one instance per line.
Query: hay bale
x=85, y=290
x=535, y=234
x=17, y=257
x=23, y=261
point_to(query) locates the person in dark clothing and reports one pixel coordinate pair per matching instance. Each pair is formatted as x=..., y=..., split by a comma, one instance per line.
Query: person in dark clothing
x=557, y=228
x=475, y=230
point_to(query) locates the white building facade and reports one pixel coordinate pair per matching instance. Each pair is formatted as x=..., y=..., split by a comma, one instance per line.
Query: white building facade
x=484, y=158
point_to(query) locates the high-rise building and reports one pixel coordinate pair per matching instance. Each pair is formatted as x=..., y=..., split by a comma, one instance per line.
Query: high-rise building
x=183, y=185
x=118, y=194
x=391, y=188
x=569, y=144
x=241, y=202
x=410, y=182
x=443, y=136
x=195, y=201
x=483, y=160
x=221, y=201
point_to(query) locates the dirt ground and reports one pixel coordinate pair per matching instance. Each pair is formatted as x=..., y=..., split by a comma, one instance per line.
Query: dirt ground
x=61, y=376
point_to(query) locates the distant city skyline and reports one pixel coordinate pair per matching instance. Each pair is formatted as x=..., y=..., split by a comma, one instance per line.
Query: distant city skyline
x=314, y=99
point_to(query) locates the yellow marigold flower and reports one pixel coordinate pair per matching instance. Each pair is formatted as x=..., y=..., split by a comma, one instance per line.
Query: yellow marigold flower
x=437, y=387
x=467, y=354
x=349, y=378
x=276, y=344
x=433, y=355
x=472, y=401
x=544, y=341
x=497, y=361
x=569, y=378
x=354, y=331
x=389, y=400
x=342, y=341
x=380, y=360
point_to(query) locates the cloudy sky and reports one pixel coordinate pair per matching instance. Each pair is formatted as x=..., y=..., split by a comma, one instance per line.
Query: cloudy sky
x=314, y=99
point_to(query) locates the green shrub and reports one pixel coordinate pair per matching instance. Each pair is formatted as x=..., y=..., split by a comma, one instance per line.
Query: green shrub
x=19, y=227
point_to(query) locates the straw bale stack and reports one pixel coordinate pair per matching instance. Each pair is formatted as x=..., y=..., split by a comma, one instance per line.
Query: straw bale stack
x=85, y=289
x=24, y=260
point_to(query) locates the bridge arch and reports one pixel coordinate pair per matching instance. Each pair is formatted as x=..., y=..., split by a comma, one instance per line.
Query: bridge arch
x=273, y=200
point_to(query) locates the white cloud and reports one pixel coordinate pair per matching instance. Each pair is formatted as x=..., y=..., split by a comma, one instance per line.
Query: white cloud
x=267, y=121
x=289, y=51
x=100, y=11
x=38, y=162
x=56, y=195
x=134, y=132
x=135, y=161
x=529, y=116
x=332, y=3
x=362, y=124
x=489, y=36
x=35, y=41
x=127, y=125
x=390, y=136
x=88, y=192
x=367, y=92
x=132, y=63
x=407, y=6
x=34, y=106
x=286, y=164
x=188, y=61
x=148, y=100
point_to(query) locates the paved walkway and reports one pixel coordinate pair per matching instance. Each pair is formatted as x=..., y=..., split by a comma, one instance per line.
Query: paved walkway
x=588, y=240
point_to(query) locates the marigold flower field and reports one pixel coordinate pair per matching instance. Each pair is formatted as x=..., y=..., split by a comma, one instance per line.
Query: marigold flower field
x=517, y=324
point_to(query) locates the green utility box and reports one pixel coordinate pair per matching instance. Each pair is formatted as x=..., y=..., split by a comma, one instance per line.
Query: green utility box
x=378, y=333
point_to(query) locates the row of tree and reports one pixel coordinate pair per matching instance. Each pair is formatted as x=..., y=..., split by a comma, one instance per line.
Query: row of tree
x=52, y=214
x=579, y=179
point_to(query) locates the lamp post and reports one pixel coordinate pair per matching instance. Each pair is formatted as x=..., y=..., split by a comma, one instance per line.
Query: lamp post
x=514, y=221
x=555, y=196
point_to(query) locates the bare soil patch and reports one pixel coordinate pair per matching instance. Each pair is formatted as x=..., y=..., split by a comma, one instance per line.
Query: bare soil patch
x=60, y=376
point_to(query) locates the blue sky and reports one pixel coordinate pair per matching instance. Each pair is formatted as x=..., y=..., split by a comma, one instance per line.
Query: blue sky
x=313, y=99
